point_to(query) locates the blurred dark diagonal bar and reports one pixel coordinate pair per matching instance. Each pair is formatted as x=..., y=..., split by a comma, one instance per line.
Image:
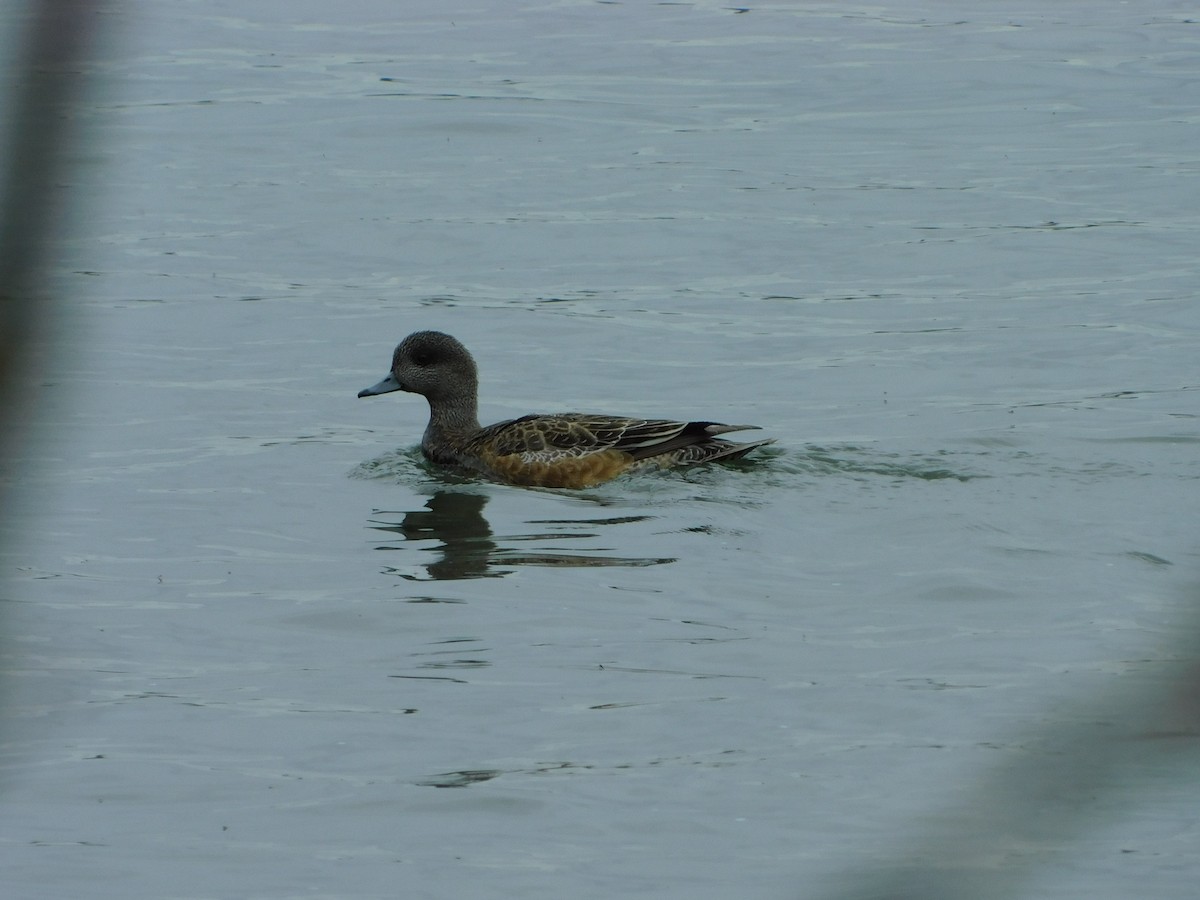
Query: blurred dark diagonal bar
x=1079, y=768
x=45, y=83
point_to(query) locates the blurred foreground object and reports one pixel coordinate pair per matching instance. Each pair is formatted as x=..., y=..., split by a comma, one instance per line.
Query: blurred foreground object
x=44, y=84
x=1080, y=767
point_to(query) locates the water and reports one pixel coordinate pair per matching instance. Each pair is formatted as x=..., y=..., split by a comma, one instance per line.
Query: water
x=946, y=257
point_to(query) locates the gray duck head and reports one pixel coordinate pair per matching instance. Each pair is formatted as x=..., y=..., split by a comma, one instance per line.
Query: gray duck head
x=433, y=364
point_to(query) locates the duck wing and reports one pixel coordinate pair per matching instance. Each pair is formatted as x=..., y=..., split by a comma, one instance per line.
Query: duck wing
x=579, y=434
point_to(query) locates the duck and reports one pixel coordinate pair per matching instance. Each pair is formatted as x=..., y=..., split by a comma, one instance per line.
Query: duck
x=554, y=450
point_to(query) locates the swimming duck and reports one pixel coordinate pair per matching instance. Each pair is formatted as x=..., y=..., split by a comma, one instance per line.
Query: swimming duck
x=563, y=450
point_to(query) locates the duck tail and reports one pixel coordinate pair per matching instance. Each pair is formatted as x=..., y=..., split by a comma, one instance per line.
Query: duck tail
x=732, y=451
x=715, y=428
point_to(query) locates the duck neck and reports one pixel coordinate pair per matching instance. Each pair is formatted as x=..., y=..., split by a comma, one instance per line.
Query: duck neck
x=454, y=416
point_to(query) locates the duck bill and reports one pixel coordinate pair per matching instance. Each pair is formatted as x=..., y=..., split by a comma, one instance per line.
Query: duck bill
x=386, y=386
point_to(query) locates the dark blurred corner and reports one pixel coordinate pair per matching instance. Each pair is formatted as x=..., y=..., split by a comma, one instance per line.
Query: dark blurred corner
x=1077, y=768
x=42, y=81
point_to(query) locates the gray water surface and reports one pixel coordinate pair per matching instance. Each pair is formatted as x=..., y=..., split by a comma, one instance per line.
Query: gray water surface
x=945, y=254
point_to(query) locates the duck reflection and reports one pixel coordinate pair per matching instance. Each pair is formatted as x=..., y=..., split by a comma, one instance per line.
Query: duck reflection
x=452, y=526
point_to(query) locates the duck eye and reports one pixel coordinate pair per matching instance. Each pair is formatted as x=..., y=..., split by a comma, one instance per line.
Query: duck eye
x=421, y=359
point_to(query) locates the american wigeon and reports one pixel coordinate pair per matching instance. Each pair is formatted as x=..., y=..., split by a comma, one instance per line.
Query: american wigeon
x=566, y=450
